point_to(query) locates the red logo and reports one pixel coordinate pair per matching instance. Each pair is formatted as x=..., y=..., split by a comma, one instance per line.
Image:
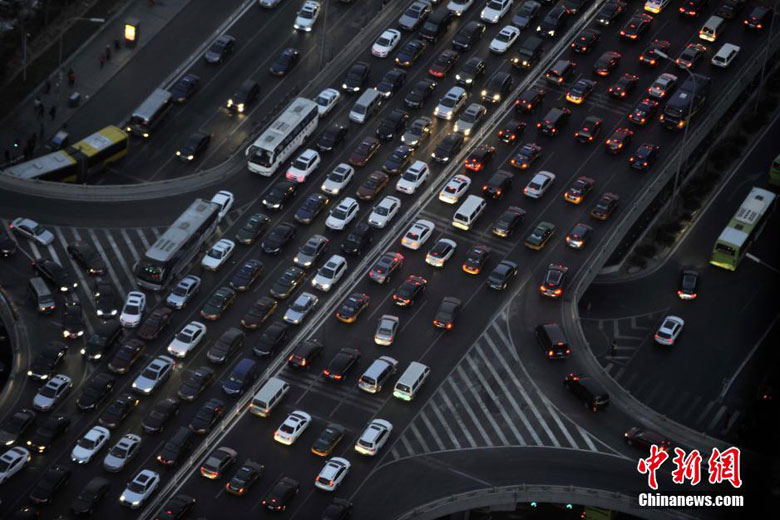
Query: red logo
x=721, y=465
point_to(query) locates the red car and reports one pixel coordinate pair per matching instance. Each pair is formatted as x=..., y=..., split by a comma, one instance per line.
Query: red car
x=649, y=57
x=364, y=151
x=443, y=63
x=619, y=139
x=643, y=112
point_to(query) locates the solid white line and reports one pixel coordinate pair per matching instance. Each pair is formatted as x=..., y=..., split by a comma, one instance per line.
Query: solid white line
x=109, y=264
x=585, y=435
x=443, y=422
x=506, y=341
x=432, y=430
x=502, y=410
x=54, y=254
x=393, y=453
x=557, y=418
x=717, y=417
x=458, y=419
x=130, y=245
x=121, y=258
x=482, y=407
x=407, y=445
x=419, y=437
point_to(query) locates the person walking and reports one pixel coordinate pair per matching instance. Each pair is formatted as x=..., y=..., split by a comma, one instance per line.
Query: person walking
x=71, y=78
x=108, y=52
x=53, y=112
x=101, y=59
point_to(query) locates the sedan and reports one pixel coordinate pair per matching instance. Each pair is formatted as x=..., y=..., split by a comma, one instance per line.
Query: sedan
x=218, y=461
x=364, y=151
x=421, y=91
x=619, y=139
x=414, y=15
x=279, y=496
x=470, y=119
x=476, y=258
x=649, y=56
x=410, y=291
x=187, y=339
x=530, y=99
x=386, y=330
x=539, y=184
x=494, y=10
x=580, y=90
x=689, y=282
x=12, y=461
x=539, y=236
x=605, y=206
x=300, y=308
x=443, y=63
x=305, y=353
x=338, y=179
x=590, y=129
x=330, y=273
x=194, y=146
x=126, y=356
x=244, y=477
x=418, y=234
x=46, y=489
x=310, y=252
x=326, y=100
x=441, y=252
x=391, y=82
x=122, y=452
x=341, y=363
x=455, y=189
x=292, y=427
x=383, y=213
x=118, y=411
x=281, y=235
x=87, y=257
x=586, y=40
x=303, y=166
x=554, y=280
x=644, y=439
x=162, y=412
x=644, y=156
x=662, y=86
x=473, y=69
x=279, y=194
x=356, y=76
x=184, y=88
x=611, y=11
x=501, y=275
x=386, y=42
x=352, y=306
x=579, y=189
x=452, y=102
x=155, y=323
x=399, y=159
x=88, y=446
x=31, y=230
x=373, y=184
x=418, y=132
x=140, y=489
x=154, y=375
x=52, y=392
x=97, y=390
x=410, y=53
x=220, y=49
x=284, y=62
x=90, y=496
x=669, y=330
x=447, y=313
x=636, y=26
x=259, y=313
x=246, y=275
x=606, y=63
x=624, y=86
x=328, y=439
x=195, y=381
x=504, y=39
x=448, y=148
x=578, y=236
x=207, y=416
x=508, y=222
x=44, y=364
x=344, y=213
x=511, y=131
x=643, y=112
x=690, y=56
x=526, y=156
x=57, y=275
x=526, y=14
x=15, y=426
x=289, y=280
x=218, y=254
x=332, y=137
x=385, y=266
x=307, y=16
x=332, y=474
x=479, y=157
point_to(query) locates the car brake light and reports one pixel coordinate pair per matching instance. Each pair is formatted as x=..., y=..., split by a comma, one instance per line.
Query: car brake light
x=549, y=353
x=449, y=326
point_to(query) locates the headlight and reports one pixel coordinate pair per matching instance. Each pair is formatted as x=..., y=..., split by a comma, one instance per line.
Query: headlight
x=83, y=352
x=29, y=372
x=191, y=157
x=240, y=107
x=230, y=103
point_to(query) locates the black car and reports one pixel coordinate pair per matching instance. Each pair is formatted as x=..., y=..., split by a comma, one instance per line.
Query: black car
x=273, y=338
x=525, y=14
x=391, y=82
x=479, y=157
x=526, y=156
x=340, y=364
x=52, y=481
x=448, y=148
x=247, y=274
x=589, y=130
x=284, y=62
x=118, y=410
x=729, y=9
x=498, y=184
x=279, y=194
x=637, y=25
x=57, y=275
x=72, y=320
x=554, y=280
x=178, y=446
x=259, y=312
x=279, y=496
x=554, y=22
x=207, y=416
x=311, y=208
x=578, y=236
x=645, y=438
x=447, y=313
x=437, y=24
x=508, y=222
x=468, y=35
x=157, y=321
x=339, y=509
x=220, y=49
x=692, y=8
x=305, y=353
x=361, y=236
x=624, y=86
x=126, y=356
x=163, y=411
x=279, y=236
x=443, y=63
x=689, y=283
x=501, y=274
x=605, y=206
x=476, y=258
x=176, y=508
x=410, y=53
x=7, y=244
x=87, y=258
x=394, y=123
x=585, y=41
x=574, y=6
x=398, y=160
x=644, y=156
x=244, y=477
x=253, y=227
x=497, y=88
x=421, y=91
x=581, y=89
x=473, y=69
x=49, y=430
x=610, y=12
x=758, y=18
x=195, y=145
x=107, y=301
x=195, y=381
x=228, y=344
x=95, y=392
x=184, y=88
x=529, y=99
x=15, y=426
x=356, y=76
x=511, y=130
x=332, y=137
x=244, y=97
x=47, y=360
x=410, y=291
x=289, y=280
x=90, y=496
x=553, y=121
x=327, y=440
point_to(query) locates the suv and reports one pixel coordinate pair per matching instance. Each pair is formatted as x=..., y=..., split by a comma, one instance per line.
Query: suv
x=552, y=122
x=588, y=390
x=498, y=184
x=497, y=87
x=560, y=71
x=437, y=24
x=373, y=437
x=244, y=97
x=177, y=447
x=468, y=36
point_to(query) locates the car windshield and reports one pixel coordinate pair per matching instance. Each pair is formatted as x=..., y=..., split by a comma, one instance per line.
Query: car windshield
x=339, y=213
x=219, y=46
x=149, y=374
x=135, y=487
x=449, y=101
x=495, y=5
x=470, y=116
x=414, y=10
x=286, y=428
x=119, y=451
x=131, y=309
x=384, y=42
x=300, y=164
x=337, y=176
x=327, y=272
x=87, y=444
x=526, y=10
x=382, y=210
x=307, y=13
x=309, y=249
x=48, y=391
x=504, y=37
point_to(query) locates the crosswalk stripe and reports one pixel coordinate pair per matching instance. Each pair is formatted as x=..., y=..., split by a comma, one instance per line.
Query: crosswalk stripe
x=716, y=419
x=121, y=258
x=433, y=431
x=458, y=419
x=420, y=437
x=468, y=383
x=394, y=453
x=586, y=436
x=447, y=429
x=130, y=246
x=692, y=406
x=459, y=395
x=34, y=249
x=557, y=418
x=506, y=341
x=500, y=246
x=53, y=254
x=337, y=396
x=156, y=232
x=141, y=235
x=409, y=448
x=109, y=264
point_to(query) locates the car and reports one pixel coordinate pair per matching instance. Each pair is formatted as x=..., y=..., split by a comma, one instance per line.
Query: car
x=455, y=188
x=414, y=177
x=669, y=330
x=578, y=236
x=246, y=275
x=579, y=189
x=590, y=129
x=331, y=137
x=443, y=63
x=692, y=8
x=125, y=449
x=655, y=6
x=358, y=239
x=279, y=194
x=154, y=324
x=310, y=252
x=372, y=185
x=59, y=277
x=307, y=16
x=332, y=474
x=118, y=410
x=636, y=26
x=356, y=76
x=691, y=55
x=494, y=10
x=305, y=353
x=337, y=179
x=386, y=43
x=90, y=496
x=140, y=489
x=330, y=273
x=530, y=99
x=649, y=56
x=729, y=9
x=341, y=215
x=388, y=207
x=126, y=356
x=45, y=363
x=13, y=460
x=470, y=119
x=220, y=49
x=373, y=437
x=220, y=460
x=280, y=235
x=391, y=82
x=644, y=156
x=605, y=206
x=619, y=139
x=327, y=100
x=448, y=147
x=526, y=14
x=440, y=252
x=155, y=374
x=107, y=301
x=218, y=254
x=15, y=426
x=184, y=88
x=90, y=444
x=574, y=6
x=497, y=87
x=386, y=330
x=258, y=313
x=555, y=21
x=327, y=440
x=8, y=246
x=476, y=258
x=244, y=477
x=292, y=427
x=539, y=236
x=689, y=283
x=508, y=222
x=644, y=439
x=280, y=494
x=458, y=7
x=414, y=15
x=409, y=291
x=662, y=86
x=498, y=184
x=725, y=55
x=511, y=131
x=303, y=166
x=585, y=41
x=554, y=280
x=272, y=339
x=300, y=308
x=31, y=230
x=610, y=11
x=162, y=412
x=364, y=151
x=479, y=157
x=607, y=63
x=224, y=200
x=418, y=234
x=398, y=160
x=196, y=144
x=759, y=17
x=421, y=91
x=385, y=266
x=239, y=102
x=194, y=382
x=87, y=257
x=418, y=132
x=287, y=282
x=553, y=120
x=284, y=61
x=52, y=392
x=448, y=311
x=55, y=478
x=341, y=363
x=48, y=431
x=505, y=38
x=207, y=416
x=501, y=275
x=539, y=184
x=473, y=69
x=526, y=156
x=175, y=508
x=643, y=111
x=580, y=91
x=451, y=103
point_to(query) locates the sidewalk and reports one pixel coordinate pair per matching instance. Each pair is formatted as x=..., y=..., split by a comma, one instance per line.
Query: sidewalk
x=29, y=127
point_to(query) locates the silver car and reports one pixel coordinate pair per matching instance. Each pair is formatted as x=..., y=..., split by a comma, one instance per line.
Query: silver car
x=155, y=374
x=309, y=252
x=414, y=15
x=386, y=330
x=451, y=103
x=470, y=119
x=183, y=292
x=300, y=308
x=32, y=230
x=122, y=452
x=52, y=392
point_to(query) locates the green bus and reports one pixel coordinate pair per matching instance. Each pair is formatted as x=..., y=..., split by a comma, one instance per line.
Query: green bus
x=743, y=229
x=774, y=173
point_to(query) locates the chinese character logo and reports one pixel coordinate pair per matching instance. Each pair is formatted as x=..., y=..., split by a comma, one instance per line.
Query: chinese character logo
x=651, y=464
x=722, y=466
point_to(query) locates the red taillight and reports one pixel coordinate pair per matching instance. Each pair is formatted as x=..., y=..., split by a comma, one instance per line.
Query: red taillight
x=557, y=292
x=326, y=372
x=568, y=351
x=550, y=353
x=542, y=288
x=538, y=125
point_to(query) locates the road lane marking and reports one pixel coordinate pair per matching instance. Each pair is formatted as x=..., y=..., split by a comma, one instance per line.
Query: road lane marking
x=130, y=246
x=443, y=421
x=459, y=395
x=460, y=372
x=458, y=419
x=121, y=258
x=434, y=433
x=109, y=264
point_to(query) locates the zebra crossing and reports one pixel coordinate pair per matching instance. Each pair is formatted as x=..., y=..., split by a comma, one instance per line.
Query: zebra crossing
x=313, y=383
x=500, y=246
x=598, y=98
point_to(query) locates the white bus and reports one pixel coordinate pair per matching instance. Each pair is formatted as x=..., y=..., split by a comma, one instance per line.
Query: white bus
x=285, y=135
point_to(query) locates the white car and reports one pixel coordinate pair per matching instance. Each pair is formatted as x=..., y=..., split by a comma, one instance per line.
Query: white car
x=300, y=308
x=140, y=489
x=441, y=252
x=91, y=443
x=218, y=254
x=373, y=437
x=655, y=6
x=133, y=311
x=337, y=179
x=187, y=339
x=386, y=329
x=451, y=103
x=495, y=10
x=122, y=452
x=504, y=39
x=384, y=212
x=292, y=427
x=303, y=166
x=669, y=330
x=386, y=42
x=154, y=375
x=455, y=189
x=327, y=100
x=52, y=392
x=418, y=234
x=343, y=214
x=458, y=7
x=29, y=228
x=330, y=273
x=224, y=199
x=539, y=184
x=725, y=55
x=332, y=474
x=414, y=177
x=304, y=20
x=12, y=461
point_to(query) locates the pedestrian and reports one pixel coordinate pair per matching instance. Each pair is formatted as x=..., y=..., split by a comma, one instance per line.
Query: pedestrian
x=613, y=349
x=7, y=156
x=47, y=87
x=117, y=44
x=108, y=52
x=71, y=78
x=101, y=59
x=53, y=112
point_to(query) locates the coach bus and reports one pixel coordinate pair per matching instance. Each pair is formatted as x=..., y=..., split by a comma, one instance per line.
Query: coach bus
x=743, y=229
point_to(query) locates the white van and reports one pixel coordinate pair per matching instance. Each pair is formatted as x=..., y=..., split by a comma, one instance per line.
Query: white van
x=410, y=381
x=712, y=28
x=366, y=106
x=468, y=212
x=377, y=373
x=725, y=55
x=268, y=396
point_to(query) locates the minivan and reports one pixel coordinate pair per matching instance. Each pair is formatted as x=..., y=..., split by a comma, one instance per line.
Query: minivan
x=725, y=55
x=410, y=381
x=242, y=377
x=377, y=373
x=268, y=397
x=712, y=28
x=590, y=391
x=552, y=340
x=468, y=212
x=41, y=295
x=243, y=98
x=366, y=106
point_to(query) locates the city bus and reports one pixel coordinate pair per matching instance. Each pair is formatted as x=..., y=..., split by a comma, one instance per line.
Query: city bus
x=285, y=135
x=743, y=229
x=172, y=253
x=77, y=162
x=774, y=173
